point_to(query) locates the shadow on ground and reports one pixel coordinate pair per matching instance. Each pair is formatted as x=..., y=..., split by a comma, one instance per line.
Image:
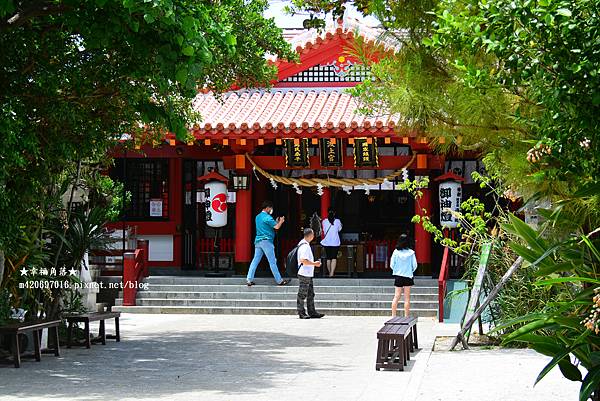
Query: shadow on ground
x=177, y=362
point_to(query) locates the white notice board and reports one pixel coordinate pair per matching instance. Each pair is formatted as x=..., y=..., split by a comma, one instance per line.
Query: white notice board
x=160, y=247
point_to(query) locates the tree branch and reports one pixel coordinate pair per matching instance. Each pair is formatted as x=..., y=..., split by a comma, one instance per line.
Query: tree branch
x=488, y=127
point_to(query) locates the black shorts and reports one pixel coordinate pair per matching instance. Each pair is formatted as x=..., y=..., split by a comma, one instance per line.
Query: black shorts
x=402, y=281
x=331, y=252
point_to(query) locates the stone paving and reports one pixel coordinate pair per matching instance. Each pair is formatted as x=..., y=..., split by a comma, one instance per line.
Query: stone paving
x=262, y=358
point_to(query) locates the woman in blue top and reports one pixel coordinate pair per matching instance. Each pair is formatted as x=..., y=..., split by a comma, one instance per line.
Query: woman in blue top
x=403, y=265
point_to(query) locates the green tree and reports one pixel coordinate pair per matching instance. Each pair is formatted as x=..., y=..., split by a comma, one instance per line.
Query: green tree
x=76, y=75
x=515, y=80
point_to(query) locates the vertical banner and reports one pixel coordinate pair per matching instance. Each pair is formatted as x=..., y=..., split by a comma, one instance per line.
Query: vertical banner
x=296, y=153
x=450, y=199
x=365, y=153
x=331, y=152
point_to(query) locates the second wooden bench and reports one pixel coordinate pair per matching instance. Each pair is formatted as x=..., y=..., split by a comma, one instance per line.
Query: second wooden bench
x=86, y=318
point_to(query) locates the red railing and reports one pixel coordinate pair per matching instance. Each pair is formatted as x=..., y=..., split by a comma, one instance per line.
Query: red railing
x=112, y=266
x=442, y=282
x=110, y=260
x=135, y=268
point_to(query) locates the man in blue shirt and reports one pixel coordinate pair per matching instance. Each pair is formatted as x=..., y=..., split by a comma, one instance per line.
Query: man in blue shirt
x=263, y=243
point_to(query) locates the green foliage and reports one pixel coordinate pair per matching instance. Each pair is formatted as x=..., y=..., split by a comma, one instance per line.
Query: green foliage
x=514, y=80
x=545, y=53
x=4, y=306
x=75, y=76
x=569, y=325
x=85, y=232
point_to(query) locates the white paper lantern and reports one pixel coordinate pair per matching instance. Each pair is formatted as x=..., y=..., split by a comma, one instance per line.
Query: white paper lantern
x=450, y=199
x=216, y=204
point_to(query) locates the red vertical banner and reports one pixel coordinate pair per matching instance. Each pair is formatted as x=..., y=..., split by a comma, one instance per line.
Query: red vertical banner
x=243, y=226
x=422, y=237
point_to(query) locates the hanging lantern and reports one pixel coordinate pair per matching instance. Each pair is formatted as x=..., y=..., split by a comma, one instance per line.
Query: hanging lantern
x=450, y=196
x=241, y=182
x=215, y=204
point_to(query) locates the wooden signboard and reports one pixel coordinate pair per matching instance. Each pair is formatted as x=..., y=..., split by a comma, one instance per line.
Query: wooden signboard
x=365, y=152
x=331, y=152
x=296, y=153
x=478, y=284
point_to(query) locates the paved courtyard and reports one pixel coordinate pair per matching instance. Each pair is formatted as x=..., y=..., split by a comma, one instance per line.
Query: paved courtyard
x=259, y=358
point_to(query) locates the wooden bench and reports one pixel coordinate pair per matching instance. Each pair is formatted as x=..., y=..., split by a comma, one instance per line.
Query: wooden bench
x=86, y=318
x=35, y=327
x=394, y=342
x=411, y=322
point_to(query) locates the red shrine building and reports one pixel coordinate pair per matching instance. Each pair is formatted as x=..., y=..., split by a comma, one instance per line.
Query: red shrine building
x=308, y=128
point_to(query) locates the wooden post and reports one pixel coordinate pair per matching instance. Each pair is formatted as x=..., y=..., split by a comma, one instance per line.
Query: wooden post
x=143, y=244
x=128, y=279
x=422, y=237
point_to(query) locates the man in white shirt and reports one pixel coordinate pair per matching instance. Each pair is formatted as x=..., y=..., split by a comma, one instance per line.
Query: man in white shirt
x=306, y=271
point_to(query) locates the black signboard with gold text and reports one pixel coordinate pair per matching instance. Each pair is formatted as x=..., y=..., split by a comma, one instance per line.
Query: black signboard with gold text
x=296, y=153
x=365, y=153
x=331, y=152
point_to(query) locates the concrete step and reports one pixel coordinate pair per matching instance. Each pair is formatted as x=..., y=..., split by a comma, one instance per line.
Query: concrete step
x=290, y=288
x=337, y=296
x=419, y=281
x=284, y=303
x=266, y=311
x=366, y=296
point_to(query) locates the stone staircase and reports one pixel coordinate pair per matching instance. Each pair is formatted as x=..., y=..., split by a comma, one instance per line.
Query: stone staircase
x=338, y=296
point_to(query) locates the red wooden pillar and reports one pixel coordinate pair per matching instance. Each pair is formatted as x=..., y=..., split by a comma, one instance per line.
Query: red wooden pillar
x=325, y=202
x=143, y=244
x=422, y=237
x=176, y=212
x=243, y=226
x=128, y=279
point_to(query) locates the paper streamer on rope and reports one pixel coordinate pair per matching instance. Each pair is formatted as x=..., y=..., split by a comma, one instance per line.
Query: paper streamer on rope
x=329, y=182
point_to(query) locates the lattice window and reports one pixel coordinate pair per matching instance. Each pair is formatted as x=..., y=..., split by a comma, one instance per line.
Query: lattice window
x=147, y=180
x=327, y=73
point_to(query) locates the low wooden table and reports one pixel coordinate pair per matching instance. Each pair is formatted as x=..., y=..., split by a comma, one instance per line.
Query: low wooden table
x=86, y=318
x=407, y=321
x=394, y=342
x=36, y=327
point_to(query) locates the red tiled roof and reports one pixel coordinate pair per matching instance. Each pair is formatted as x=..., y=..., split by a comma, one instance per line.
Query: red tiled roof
x=297, y=109
x=285, y=109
